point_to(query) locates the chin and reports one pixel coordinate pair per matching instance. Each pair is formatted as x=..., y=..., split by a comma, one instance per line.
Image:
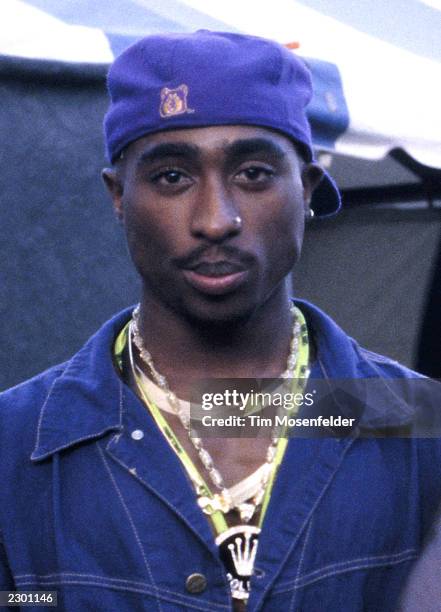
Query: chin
x=219, y=313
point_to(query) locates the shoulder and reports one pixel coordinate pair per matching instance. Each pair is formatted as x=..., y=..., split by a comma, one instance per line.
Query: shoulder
x=20, y=420
x=26, y=398
x=342, y=357
x=384, y=366
x=20, y=410
x=59, y=391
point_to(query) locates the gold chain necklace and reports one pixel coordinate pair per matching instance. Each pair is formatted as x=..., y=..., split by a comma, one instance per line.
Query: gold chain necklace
x=237, y=545
x=223, y=501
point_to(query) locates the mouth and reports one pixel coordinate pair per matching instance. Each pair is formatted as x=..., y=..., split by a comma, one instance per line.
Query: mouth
x=215, y=278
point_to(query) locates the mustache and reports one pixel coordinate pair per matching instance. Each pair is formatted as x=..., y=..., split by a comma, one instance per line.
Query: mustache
x=214, y=254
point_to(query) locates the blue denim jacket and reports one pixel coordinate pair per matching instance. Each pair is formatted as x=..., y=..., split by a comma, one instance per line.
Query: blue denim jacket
x=111, y=522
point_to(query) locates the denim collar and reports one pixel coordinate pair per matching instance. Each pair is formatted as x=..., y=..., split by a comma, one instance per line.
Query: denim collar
x=86, y=401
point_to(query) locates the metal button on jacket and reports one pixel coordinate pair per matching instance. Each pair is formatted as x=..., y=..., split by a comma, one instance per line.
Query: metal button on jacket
x=196, y=583
x=137, y=434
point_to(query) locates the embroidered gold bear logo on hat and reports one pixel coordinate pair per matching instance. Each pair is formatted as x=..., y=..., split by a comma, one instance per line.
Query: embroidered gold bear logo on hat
x=174, y=101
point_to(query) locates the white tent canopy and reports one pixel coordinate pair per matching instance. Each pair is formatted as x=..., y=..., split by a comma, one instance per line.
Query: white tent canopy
x=374, y=93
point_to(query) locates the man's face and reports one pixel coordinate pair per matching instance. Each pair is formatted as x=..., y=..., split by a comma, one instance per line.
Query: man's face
x=214, y=216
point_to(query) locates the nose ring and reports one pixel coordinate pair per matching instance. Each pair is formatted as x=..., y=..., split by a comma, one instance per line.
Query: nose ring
x=237, y=222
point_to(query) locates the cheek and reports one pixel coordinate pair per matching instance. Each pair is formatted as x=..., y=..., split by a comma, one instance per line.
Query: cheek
x=282, y=228
x=285, y=248
x=291, y=232
x=154, y=233
x=141, y=231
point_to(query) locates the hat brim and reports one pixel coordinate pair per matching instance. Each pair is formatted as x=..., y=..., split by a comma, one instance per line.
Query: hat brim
x=326, y=199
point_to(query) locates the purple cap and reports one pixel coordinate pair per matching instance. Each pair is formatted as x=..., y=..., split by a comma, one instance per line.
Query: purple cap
x=171, y=81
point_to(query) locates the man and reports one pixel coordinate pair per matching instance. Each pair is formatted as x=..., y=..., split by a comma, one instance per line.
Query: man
x=109, y=497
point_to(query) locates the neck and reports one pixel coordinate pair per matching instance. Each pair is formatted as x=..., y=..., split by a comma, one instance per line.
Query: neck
x=183, y=349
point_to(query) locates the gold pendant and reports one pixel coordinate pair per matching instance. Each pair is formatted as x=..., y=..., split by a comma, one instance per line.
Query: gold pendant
x=237, y=549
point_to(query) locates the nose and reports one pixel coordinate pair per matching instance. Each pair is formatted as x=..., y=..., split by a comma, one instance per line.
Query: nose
x=215, y=215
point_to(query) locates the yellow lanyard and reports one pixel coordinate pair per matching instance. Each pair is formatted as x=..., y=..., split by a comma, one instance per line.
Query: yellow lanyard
x=202, y=489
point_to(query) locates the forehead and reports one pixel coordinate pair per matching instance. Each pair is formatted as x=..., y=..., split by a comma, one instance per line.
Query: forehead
x=218, y=140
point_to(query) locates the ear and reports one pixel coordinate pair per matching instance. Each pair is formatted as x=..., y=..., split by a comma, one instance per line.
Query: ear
x=113, y=182
x=312, y=174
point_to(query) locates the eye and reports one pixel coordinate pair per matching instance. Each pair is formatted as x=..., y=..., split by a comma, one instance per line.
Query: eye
x=170, y=179
x=257, y=175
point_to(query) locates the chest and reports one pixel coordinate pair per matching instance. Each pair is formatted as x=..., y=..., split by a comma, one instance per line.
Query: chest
x=121, y=513
x=235, y=458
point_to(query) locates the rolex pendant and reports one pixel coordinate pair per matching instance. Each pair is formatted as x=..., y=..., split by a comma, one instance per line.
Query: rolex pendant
x=237, y=549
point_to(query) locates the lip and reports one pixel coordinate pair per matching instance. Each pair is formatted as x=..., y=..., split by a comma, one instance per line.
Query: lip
x=215, y=267
x=215, y=285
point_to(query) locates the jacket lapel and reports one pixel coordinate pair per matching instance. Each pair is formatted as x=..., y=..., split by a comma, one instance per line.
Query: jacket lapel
x=156, y=466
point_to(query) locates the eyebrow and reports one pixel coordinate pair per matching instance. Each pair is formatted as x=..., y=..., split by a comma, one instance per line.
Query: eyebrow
x=254, y=146
x=168, y=149
x=237, y=150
